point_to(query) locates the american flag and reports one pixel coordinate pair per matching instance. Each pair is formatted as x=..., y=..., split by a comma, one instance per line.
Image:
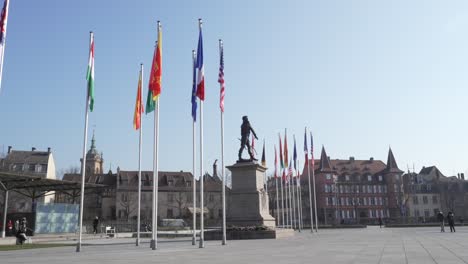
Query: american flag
x=221, y=75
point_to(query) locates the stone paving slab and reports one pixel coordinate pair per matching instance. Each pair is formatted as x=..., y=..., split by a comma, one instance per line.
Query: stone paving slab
x=370, y=245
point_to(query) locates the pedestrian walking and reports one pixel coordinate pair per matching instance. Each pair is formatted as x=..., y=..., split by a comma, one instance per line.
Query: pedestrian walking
x=95, y=225
x=380, y=222
x=451, y=221
x=9, y=228
x=440, y=217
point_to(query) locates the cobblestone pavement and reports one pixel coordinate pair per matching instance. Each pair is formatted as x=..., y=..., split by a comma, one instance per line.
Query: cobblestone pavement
x=370, y=245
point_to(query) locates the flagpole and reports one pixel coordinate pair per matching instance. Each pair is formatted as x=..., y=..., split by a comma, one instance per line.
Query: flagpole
x=315, y=196
x=282, y=202
x=298, y=179
x=83, y=164
x=290, y=202
x=222, y=157
x=139, y=159
x=194, y=213
x=202, y=227
x=310, y=196
x=154, y=237
x=294, y=203
x=4, y=42
x=277, y=201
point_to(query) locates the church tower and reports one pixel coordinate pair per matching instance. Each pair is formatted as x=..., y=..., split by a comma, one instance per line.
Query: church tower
x=94, y=160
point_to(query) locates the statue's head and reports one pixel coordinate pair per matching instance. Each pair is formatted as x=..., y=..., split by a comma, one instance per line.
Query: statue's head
x=245, y=119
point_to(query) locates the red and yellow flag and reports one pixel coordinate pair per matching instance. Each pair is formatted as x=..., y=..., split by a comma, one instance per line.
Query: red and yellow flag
x=156, y=69
x=138, y=107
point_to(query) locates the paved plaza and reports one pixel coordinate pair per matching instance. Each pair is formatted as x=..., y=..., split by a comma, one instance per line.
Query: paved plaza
x=370, y=245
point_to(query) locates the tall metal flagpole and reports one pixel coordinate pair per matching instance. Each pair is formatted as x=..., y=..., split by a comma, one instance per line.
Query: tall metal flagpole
x=222, y=149
x=139, y=161
x=194, y=184
x=310, y=196
x=7, y=4
x=290, y=202
x=83, y=164
x=282, y=202
x=154, y=236
x=277, y=202
x=294, y=201
x=5, y=211
x=202, y=228
x=315, y=191
x=298, y=179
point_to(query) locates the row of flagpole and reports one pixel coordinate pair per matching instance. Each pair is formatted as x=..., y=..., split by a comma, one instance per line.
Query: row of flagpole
x=289, y=210
x=293, y=196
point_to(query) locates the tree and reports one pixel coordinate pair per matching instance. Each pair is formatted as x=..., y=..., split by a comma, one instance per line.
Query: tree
x=127, y=202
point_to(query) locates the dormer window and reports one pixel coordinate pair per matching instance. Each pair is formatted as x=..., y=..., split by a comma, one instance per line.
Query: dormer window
x=369, y=177
x=170, y=182
x=189, y=184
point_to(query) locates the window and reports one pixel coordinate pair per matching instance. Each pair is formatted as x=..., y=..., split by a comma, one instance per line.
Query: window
x=43, y=167
x=369, y=178
x=365, y=201
x=170, y=182
x=220, y=213
x=415, y=200
x=372, y=201
x=346, y=189
x=211, y=198
x=189, y=184
x=32, y=167
x=429, y=187
x=375, y=188
x=326, y=201
x=170, y=197
x=427, y=213
x=369, y=188
x=425, y=200
x=380, y=178
x=189, y=198
x=357, y=188
x=170, y=214
x=434, y=199
x=328, y=176
x=347, y=177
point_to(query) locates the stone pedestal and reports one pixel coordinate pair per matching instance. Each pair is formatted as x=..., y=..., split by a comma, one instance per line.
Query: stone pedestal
x=249, y=200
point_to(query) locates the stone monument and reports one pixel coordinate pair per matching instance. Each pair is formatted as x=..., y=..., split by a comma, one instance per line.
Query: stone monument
x=249, y=200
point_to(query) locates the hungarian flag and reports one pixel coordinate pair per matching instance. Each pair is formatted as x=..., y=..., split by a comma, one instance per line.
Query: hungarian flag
x=90, y=74
x=156, y=69
x=263, y=155
x=138, y=106
x=201, y=71
x=280, y=152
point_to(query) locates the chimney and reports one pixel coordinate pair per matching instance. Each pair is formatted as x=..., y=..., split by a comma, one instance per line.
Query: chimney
x=215, y=169
x=351, y=158
x=33, y=149
x=48, y=150
x=371, y=159
x=458, y=176
x=9, y=149
x=462, y=175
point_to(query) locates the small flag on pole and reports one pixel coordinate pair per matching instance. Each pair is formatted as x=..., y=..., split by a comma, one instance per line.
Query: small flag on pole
x=312, y=151
x=295, y=154
x=90, y=75
x=221, y=77
x=156, y=69
x=194, y=89
x=138, y=106
x=201, y=73
x=306, y=151
x=280, y=152
x=150, y=104
x=263, y=155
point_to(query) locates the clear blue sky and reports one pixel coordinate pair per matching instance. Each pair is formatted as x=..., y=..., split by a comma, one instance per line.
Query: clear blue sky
x=363, y=75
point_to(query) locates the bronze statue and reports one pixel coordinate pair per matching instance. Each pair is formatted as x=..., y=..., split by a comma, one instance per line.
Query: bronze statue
x=245, y=133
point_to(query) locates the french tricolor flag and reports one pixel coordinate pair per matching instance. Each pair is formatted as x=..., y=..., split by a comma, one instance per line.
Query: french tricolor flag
x=200, y=69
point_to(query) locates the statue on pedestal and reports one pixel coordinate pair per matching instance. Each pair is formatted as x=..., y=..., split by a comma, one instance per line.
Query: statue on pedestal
x=245, y=135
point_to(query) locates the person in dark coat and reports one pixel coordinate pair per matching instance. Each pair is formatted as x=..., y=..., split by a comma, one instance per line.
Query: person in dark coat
x=380, y=222
x=451, y=221
x=95, y=225
x=440, y=217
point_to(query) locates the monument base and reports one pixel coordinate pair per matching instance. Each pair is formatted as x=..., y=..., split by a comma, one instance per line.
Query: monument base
x=249, y=200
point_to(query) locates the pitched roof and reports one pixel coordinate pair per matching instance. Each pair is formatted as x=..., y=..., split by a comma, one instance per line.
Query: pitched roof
x=27, y=157
x=391, y=163
x=105, y=179
x=324, y=161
